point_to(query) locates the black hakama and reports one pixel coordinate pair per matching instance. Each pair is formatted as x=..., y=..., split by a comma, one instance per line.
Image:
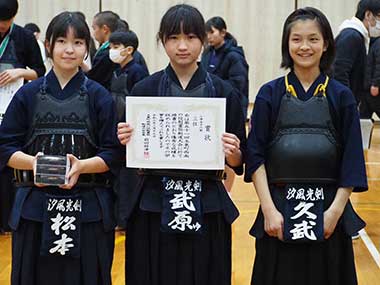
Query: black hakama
x=155, y=257
x=330, y=262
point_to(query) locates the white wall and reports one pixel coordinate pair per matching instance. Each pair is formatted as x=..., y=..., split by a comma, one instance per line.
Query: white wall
x=42, y=11
x=336, y=11
x=257, y=24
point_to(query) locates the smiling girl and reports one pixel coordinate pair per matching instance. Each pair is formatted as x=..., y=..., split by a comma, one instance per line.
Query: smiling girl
x=305, y=158
x=62, y=235
x=154, y=256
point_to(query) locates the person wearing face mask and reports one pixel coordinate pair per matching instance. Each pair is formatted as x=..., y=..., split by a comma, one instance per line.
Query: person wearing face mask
x=352, y=46
x=123, y=26
x=123, y=46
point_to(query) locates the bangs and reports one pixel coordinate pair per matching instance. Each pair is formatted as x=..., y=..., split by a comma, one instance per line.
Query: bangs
x=118, y=38
x=125, y=38
x=309, y=13
x=216, y=22
x=182, y=18
x=63, y=25
x=183, y=22
x=208, y=26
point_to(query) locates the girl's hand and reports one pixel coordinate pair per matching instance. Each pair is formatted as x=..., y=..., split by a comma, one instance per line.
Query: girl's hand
x=274, y=224
x=9, y=75
x=231, y=145
x=35, y=169
x=330, y=220
x=374, y=91
x=124, y=133
x=75, y=171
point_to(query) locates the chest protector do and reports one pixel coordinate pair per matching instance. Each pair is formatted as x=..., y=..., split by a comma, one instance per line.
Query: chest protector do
x=305, y=147
x=60, y=127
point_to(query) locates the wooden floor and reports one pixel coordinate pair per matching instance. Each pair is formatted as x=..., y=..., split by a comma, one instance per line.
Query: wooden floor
x=366, y=248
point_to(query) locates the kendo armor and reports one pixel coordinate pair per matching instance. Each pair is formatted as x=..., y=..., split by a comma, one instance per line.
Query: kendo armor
x=60, y=127
x=305, y=147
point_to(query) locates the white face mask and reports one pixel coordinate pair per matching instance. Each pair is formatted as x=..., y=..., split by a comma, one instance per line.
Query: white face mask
x=115, y=55
x=374, y=31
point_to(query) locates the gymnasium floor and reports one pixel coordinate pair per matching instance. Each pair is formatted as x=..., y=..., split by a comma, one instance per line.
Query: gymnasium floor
x=366, y=248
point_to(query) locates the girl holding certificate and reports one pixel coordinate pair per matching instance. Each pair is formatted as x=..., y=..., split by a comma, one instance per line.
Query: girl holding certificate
x=305, y=157
x=62, y=234
x=179, y=221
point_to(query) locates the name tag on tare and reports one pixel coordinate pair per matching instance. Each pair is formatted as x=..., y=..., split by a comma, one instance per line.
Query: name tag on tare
x=303, y=213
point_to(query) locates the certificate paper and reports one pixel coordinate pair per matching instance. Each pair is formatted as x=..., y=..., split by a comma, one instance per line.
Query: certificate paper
x=6, y=94
x=176, y=133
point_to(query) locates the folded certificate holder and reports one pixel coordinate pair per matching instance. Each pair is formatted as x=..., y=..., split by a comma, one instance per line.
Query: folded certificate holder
x=51, y=170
